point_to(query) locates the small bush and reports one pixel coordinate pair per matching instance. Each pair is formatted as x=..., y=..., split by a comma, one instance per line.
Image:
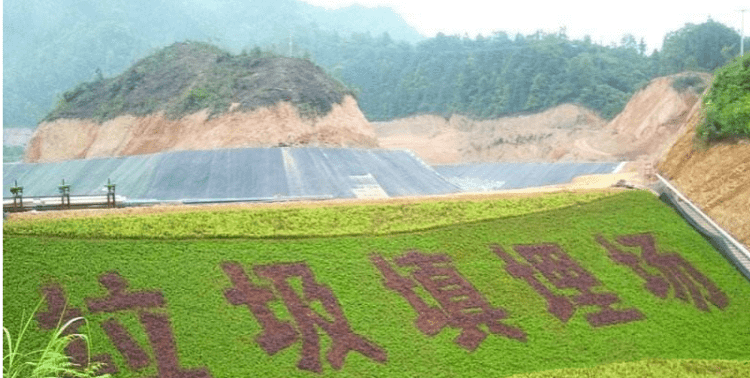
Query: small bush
x=727, y=104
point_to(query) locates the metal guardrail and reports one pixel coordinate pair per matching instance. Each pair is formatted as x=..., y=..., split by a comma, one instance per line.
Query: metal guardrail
x=734, y=251
x=11, y=204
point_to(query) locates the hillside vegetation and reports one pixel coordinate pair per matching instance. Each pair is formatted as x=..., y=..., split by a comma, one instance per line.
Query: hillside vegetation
x=366, y=305
x=710, y=160
x=727, y=103
x=187, y=77
x=51, y=46
x=194, y=96
x=491, y=76
x=373, y=219
x=397, y=72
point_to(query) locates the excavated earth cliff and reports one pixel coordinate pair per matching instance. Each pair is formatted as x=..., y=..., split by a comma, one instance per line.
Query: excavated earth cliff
x=546, y=136
x=278, y=125
x=192, y=96
x=716, y=177
x=646, y=127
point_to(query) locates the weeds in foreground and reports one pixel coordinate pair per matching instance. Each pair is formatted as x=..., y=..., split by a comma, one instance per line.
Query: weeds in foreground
x=51, y=361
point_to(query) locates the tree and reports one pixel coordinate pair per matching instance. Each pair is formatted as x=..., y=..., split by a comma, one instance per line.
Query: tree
x=699, y=45
x=537, y=93
x=727, y=104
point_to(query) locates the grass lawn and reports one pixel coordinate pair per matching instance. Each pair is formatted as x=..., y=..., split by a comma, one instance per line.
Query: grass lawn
x=323, y=292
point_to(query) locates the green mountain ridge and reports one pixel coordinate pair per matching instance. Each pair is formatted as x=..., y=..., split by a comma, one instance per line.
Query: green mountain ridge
x=49, y=47
x=186, y=77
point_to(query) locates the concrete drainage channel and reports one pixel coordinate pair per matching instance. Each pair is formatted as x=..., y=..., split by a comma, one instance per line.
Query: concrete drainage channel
x=737, y=254
x=365, y=186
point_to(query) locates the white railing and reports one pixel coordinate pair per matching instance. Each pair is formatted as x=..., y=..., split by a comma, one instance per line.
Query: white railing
x=725, y=236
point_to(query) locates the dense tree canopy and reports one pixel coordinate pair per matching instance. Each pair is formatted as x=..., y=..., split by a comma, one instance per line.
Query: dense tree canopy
x=48, y=48
x=727, y=103
x=488, y=77
x=699, y=47
x=483, y=77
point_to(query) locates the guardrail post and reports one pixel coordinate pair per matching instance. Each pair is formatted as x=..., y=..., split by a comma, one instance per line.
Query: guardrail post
x=111, y=194
x=65, y=193
x=17, y=192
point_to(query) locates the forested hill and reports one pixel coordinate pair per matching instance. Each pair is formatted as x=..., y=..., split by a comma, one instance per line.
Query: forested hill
x=499, y=75
x=50, y=46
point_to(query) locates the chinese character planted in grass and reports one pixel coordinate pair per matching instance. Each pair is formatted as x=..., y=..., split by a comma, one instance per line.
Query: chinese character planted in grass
x=461, y=305
x=564, y=273
x=58, y=312
x=156, y=325
x=673, y=271
x=278, y=334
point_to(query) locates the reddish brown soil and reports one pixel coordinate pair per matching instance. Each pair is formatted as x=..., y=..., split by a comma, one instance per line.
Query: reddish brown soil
x=641, y=133
x=281, y=124
x=716, y=177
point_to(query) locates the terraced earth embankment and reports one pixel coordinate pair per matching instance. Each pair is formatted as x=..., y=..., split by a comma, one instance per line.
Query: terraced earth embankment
x=715, y=177
x=446, y=288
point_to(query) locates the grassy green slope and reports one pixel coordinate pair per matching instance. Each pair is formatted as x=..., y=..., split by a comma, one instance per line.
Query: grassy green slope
x=371, y=219
x=212, y=333
x=653, y=368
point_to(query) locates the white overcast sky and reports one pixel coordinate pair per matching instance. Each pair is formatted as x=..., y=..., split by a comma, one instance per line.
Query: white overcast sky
x=605, y=21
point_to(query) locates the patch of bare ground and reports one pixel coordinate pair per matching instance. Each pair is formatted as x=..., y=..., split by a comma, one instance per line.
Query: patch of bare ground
x=546, y=136
x=641, y=133
x=281, y=124
x=716, y=177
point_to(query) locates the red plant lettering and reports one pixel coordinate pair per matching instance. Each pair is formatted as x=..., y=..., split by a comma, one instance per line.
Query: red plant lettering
x=157, y=328
x=162, y=341
x=462, y=306
x=135, y=356
x=675, y=272
x=58, y=313
x=278, y=335
x=118, y=300
x=564, y=273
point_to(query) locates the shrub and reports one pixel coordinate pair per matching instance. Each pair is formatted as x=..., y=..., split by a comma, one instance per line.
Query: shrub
x=727, y=104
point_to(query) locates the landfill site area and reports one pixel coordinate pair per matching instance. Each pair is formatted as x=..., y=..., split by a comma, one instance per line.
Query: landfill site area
x=273, y=155
x=281, y=173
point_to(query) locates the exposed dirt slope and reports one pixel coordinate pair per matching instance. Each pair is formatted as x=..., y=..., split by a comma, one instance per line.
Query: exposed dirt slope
x=546, y=136
x=281, y=124
x=715, y=178
x=646, y=127
x=196, y=96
